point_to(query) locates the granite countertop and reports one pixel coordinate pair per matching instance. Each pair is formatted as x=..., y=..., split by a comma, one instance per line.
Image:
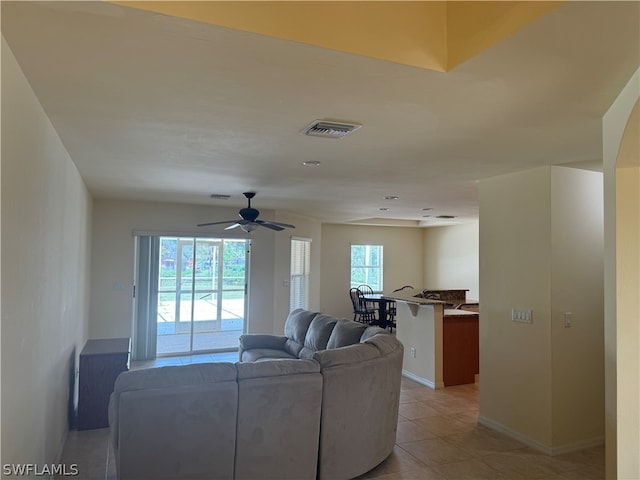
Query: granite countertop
x=457, y=312
x=408, y=296
x=415, y=296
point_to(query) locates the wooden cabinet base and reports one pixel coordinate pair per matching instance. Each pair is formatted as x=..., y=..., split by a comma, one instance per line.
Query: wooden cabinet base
x=460, y=349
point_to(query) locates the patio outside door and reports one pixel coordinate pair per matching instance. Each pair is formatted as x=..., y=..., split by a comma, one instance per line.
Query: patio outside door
x=201, y=294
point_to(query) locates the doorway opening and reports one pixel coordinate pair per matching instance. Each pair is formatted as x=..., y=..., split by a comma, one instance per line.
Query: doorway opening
x=191, y=295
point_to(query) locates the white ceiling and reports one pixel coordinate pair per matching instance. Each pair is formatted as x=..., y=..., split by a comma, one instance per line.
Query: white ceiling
x=158, y=108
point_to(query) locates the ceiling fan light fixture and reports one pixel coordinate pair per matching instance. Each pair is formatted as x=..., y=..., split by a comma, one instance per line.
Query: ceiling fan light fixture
x=249, y=227
x=249, y=219
x=329, y=129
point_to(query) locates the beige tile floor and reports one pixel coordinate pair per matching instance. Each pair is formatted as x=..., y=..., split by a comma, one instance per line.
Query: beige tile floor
x=438, y=438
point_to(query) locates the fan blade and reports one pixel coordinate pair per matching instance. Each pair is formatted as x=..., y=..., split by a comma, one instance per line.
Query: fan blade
x=269, y=225
x=285, y=225
x=216, y=223
x=277, y=224
x=249, y=216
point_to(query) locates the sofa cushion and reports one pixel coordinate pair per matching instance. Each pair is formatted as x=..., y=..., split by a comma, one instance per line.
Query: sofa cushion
x=254, y=340
x=258, y=354
x=384, y=343
x=171, y=376
x=371, y=331
x=295, y=329
x=352, y=354
x=297, y=324
x=346, y=332
x=276, y=368
x=206, y=392
x=317, y=335
x=278, y=426
x=167, y=377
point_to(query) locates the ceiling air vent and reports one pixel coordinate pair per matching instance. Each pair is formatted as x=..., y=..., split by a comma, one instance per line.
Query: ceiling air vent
x=328, y=129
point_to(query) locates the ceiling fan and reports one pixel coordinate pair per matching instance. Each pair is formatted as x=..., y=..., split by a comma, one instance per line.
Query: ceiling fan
x=249, y=219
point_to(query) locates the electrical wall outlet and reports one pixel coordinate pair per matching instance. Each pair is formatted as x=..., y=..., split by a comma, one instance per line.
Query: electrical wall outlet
x=413, y=352
x=522, y=315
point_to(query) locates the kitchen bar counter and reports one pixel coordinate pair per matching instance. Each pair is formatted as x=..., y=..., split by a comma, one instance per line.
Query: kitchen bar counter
x=440, y=343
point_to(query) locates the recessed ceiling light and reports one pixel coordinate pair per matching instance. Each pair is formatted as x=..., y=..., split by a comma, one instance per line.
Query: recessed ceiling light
x=446, y=216
x=311, y=163
x=426, y=216
x=220, y=196
x=384, y=209
x=427, y=209
x=391, y=197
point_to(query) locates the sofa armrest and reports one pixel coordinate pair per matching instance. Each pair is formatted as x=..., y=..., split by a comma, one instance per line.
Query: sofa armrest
x=251, y=341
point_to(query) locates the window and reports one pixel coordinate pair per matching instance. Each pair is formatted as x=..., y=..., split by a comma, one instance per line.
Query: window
x=299, y=281
x=366, y=266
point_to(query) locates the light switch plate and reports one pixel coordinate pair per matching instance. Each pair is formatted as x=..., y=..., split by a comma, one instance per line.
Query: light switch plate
x=568, y=319
x=522, y=315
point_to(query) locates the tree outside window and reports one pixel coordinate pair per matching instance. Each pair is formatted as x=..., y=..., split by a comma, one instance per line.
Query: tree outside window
x=366, y=266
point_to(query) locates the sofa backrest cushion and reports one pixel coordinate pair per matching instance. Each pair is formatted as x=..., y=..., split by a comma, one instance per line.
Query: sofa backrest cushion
x=188, y=376
x=191, y=404
x=186, y=431
x=371, y=331
x=351, y=355
x=317, y=335
x=295, y=329
x=274, y=368
x=386, y=344
x=172, y=376
x=346, y=332
x=278, y=425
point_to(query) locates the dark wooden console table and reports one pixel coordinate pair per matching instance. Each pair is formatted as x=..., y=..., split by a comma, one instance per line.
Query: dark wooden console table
x=101, y=361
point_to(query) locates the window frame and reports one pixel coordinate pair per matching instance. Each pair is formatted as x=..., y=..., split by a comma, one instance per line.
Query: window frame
x=299, y=279
x=368, y=266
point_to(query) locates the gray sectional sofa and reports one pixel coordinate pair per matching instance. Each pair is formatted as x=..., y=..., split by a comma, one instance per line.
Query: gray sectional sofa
x=320, y=401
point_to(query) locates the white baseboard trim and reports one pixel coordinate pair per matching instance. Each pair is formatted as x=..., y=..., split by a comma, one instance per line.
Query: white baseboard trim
x=421, y=380
x=574, y=447
x=546, y=449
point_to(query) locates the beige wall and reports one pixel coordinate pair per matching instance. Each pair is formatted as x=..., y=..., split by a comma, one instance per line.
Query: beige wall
x=515, y=358
x=46, y=214
x=628, y=319
x=622, y=314
x=113, y=259
x=403, y=261
x=113, y=250
x=305, y=228
x=451, y=258
x=577, y=269
x=541, y=248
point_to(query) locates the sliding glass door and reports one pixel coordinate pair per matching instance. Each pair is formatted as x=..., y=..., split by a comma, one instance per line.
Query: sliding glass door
x=201, y=294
